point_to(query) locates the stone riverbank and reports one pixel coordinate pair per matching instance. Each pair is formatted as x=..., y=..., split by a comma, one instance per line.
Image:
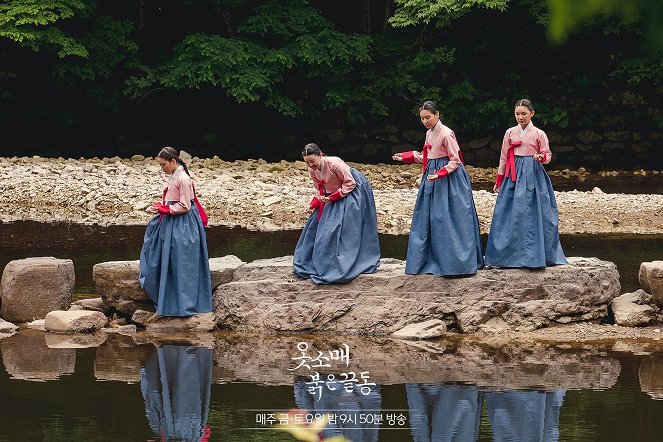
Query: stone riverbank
x=273, y=196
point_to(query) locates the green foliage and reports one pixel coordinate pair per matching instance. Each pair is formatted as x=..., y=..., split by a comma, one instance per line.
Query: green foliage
x=243, y=68
x=331, y=49
x=644, y=69
x=553, y=117
x=253, y=66
x=290, y=20
x=463, y=105
x=442, y=12
x=108, y=44
x=408, y=78
x=658, y=119
x=28, y=22
x=537, y=10
x=247, y=71
x=110, y=49
x=567, y=16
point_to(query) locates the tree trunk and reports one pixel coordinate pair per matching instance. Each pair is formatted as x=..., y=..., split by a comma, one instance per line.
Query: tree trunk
x=226, y=19
x=387, y=14
x=141, y=14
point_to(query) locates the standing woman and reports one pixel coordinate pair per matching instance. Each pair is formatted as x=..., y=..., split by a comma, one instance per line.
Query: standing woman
x=524, y=232
x=174, y=265
x=444, y=235
x=340, y=238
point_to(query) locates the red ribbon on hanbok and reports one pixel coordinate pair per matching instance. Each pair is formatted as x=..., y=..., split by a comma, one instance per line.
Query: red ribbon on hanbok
x=203, y=215
x=510, y=169
x=163, y=201
x=427, y=147
x=321, y=189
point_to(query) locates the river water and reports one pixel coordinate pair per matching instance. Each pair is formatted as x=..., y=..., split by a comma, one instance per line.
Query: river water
x=232, y=387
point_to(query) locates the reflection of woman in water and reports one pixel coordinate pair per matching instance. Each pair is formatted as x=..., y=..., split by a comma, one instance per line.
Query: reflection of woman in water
x=176, y=382
x=444, y=412
x=335, y=400
x=527, y=416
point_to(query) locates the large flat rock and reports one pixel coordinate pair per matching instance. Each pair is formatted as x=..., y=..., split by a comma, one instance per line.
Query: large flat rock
x=32, y=287
x=82, y=321
x=651, y=280
x=117, y=283
x=264, y=296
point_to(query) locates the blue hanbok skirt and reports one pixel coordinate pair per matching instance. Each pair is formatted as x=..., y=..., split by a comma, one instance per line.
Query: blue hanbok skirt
x=444, y=412
x=444, y=236
x=344, y=243
x=524, y=231
x=334, y=398
x=524, y=415
x=176, y=382
x=174, y=264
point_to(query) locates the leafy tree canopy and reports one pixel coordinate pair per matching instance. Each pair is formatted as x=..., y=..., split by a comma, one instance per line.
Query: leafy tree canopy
x=29, y=23
x=441, y=12
x=288, y=39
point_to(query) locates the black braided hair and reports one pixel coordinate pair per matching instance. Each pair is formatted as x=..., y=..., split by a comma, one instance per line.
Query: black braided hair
x=170, y=153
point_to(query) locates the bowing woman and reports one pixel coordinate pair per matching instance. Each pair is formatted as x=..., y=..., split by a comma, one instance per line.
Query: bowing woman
x=340, y=238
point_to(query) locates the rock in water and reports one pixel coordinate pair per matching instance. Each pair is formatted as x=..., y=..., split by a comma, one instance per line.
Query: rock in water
x=265, y=296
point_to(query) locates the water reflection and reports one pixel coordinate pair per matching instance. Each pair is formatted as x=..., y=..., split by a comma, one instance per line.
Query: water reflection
x=443, y=388
x=651, y=376
x=176, y=383
x=27, y=356
x=75, y=340
x=496, y=365
x=444, y=412
x=526, y=416
x=351, y=410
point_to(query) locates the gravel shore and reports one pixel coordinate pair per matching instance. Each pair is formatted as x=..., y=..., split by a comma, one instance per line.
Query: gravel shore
x=265, y=196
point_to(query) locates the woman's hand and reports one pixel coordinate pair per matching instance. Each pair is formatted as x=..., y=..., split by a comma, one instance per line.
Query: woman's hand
x=397, y=157
x=162, y=208
x=496, y=188
x=323, y=199
x=537, y=157
x=432, y=177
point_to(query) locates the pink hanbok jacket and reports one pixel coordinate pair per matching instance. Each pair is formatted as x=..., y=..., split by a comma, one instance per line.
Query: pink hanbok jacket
x=180, y=189
x=521, y=142
x=333, y=179
x=440, y=142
